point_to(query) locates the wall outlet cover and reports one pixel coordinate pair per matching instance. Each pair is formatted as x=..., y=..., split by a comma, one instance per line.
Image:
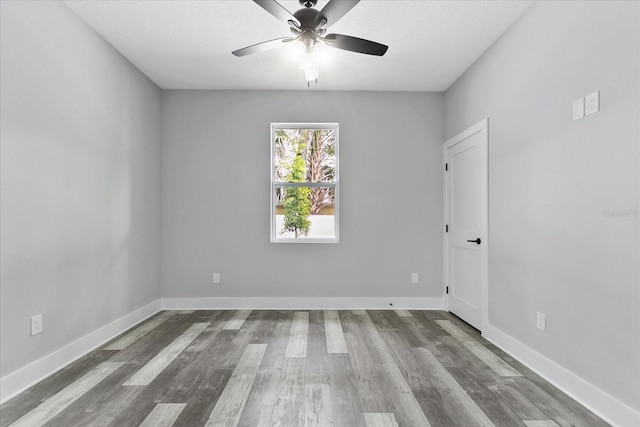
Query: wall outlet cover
x=414, y=278
x=216, y=278
x=36, y=324
x=541, y=322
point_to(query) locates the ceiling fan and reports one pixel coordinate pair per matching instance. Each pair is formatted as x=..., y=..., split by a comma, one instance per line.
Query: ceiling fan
x=309, y=26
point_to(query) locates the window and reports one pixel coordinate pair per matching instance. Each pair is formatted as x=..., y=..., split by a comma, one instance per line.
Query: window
x=304, y=182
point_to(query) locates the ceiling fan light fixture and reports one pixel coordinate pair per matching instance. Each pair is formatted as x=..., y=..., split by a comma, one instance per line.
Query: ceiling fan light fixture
x=310, y=66
x=296, y=52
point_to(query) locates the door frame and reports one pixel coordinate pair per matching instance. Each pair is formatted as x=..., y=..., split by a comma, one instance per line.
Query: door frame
x=481, y=127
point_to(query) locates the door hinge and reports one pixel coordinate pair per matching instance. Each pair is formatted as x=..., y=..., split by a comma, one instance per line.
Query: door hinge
x=447, y=289
x=446, y=228
x=446, y=166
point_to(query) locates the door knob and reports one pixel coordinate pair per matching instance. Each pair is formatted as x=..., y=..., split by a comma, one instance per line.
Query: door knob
x=478, y=241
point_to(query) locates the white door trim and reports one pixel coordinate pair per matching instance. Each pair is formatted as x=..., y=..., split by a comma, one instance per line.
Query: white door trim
x=481, y=127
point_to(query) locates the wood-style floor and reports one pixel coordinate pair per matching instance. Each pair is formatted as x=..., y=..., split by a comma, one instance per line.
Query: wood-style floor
x=296, y=368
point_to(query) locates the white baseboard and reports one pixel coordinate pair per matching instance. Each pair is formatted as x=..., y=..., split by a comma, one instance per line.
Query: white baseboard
x=25, y=377
x=286, y=303
x=596, y=400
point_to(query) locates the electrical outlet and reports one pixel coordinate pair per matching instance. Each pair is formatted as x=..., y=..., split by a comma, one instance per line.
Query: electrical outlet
x=414, y=277
x=36, y=324
x=541, y=322
x=216, y=278
x=592, y=103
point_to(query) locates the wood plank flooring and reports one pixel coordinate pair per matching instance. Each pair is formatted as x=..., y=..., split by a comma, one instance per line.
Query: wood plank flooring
x=351, y=368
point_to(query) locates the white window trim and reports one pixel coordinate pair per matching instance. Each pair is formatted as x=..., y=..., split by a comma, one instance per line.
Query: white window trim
x=272, y=208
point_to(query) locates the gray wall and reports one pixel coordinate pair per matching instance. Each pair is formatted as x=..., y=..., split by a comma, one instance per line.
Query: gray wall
x=80, y=181
x=215, y=195
x=551, y=248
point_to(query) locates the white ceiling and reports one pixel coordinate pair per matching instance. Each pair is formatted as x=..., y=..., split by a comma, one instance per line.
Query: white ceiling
x=187, y=44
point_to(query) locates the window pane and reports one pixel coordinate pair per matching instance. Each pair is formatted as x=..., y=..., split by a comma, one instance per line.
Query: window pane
x=305, y=212
x=304, y=155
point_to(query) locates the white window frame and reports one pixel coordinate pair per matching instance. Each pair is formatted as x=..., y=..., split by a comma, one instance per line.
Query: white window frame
x=335, y=185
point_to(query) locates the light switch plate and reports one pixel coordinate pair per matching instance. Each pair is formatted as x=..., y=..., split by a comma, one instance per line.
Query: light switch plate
x=578, y=109
x=414, y=278
x=592, y=103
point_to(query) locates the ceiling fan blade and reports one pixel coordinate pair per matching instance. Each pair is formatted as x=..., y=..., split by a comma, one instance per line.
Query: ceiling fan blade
x=279, y=11
x=354, y=44
x=336, y=9
x=262, y=47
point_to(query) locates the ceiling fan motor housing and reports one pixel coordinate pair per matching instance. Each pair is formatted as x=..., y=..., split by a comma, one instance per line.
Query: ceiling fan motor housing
x=310, y=19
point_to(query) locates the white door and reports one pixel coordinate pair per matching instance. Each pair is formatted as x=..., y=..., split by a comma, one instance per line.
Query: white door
x=466, y=210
